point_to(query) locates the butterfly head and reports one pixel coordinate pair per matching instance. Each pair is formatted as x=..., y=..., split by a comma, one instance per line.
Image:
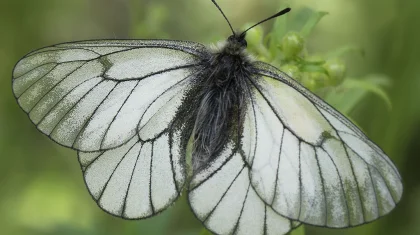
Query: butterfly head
x=236, y=44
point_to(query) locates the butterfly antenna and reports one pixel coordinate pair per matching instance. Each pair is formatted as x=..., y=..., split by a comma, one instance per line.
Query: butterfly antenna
x=220, y=9
x=280, y=13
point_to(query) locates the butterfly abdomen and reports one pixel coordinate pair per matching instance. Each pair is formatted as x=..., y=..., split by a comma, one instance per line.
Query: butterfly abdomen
x=220, y=104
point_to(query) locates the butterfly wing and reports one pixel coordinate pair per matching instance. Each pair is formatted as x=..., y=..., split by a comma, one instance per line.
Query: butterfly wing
x=310, y=163
x=97, y=95
x=140, y=178
x=222, y=197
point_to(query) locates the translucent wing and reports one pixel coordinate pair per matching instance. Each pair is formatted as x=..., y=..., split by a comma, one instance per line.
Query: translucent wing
x=97, y=95
x=308, y=162
x=140, y=178
x=221, y=196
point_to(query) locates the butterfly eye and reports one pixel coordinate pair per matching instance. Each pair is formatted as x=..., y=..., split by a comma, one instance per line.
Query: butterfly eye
x=232, y=38
x=244, y=43
x=238, y=40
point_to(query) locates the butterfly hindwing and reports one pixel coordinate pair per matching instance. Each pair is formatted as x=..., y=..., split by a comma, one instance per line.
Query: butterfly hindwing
x=308, y=162
x=140, y=178
x=97, y=95
x=221, y=196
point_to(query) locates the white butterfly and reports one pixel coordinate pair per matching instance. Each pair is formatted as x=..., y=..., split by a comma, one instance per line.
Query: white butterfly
x=267, y=154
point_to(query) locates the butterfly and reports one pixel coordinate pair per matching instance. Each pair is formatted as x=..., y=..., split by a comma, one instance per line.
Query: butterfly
x=256, y=151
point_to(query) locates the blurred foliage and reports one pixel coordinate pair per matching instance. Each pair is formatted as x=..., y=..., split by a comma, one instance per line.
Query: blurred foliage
x=299, y=231
x=375, y=42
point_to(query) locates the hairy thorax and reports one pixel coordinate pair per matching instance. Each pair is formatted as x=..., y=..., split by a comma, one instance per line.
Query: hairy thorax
x=220, y=102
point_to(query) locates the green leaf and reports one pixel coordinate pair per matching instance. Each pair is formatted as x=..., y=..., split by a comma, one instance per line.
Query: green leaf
x=299, y=231
x=380, y=80
x=370, y=86
x=352, y=91
x=312, y=22
x=344, y=100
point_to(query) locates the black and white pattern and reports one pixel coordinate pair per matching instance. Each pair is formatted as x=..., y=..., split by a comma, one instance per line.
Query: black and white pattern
x=308, y=162
x=97, y=95
x=126, y=107
x=223, y=198
x=138, y=179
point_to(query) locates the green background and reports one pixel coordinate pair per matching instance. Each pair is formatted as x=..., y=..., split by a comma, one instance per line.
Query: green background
x=41, y=185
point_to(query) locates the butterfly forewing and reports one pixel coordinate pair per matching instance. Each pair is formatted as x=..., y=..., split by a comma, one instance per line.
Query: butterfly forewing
x=308, y=162
x=97, y=95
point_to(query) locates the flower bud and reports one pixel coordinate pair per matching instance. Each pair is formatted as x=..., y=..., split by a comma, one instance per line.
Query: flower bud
x=292, y=44
x=255, y=36
x=314, y=80
x=336, y=70
x=292, y=70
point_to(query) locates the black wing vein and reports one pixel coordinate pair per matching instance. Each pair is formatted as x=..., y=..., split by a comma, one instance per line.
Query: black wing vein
x=224, y=194
x=131, y=179
x=112, y=174
x=55, y=85
x=116, y=114
x=74, y=105
x=93, y=113
x=341, y=184
x=150, y=179
x=322, y=185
